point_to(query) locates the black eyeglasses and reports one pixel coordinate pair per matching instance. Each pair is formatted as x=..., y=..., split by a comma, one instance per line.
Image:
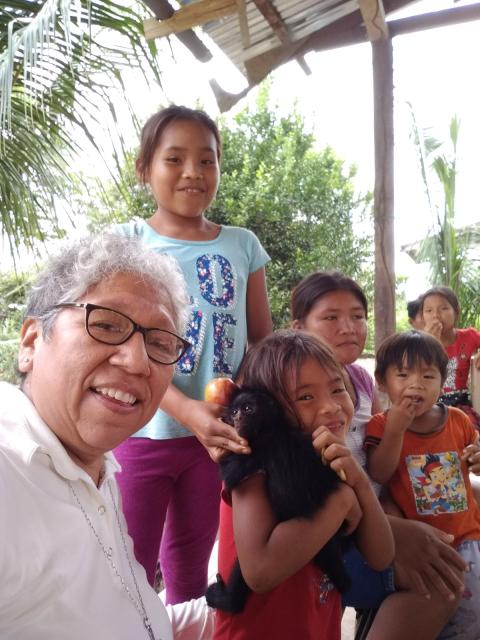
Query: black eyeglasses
x=112, y=327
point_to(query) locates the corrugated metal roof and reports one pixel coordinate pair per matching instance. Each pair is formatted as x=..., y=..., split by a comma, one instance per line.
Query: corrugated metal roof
x=260, y=35
x=301, y=19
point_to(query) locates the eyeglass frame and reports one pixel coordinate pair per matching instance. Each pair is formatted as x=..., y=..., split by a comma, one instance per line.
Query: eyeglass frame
x=89, y=307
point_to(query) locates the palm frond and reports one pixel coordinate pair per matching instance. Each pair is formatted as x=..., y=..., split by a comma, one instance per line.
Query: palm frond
x=445, y=249
x=58, y=63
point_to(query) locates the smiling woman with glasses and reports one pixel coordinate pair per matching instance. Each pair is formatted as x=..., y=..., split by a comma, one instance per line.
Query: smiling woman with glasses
x=89, y=381
x=112, y=327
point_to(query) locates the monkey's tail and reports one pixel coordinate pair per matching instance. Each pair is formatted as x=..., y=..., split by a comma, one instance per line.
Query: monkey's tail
x=230, y=597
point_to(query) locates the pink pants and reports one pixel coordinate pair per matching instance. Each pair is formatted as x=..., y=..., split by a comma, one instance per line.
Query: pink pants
x=171, y=494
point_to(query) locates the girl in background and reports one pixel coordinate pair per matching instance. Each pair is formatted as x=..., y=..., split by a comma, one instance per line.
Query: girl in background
x=334, y=308
x=169, y=482
x=292, y=598
x=441, y=310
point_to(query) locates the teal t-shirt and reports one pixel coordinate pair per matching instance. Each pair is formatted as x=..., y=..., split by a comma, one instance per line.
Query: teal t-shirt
x=216, y=272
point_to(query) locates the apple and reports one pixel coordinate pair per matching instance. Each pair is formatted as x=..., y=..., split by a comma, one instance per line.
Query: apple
x=220, y=391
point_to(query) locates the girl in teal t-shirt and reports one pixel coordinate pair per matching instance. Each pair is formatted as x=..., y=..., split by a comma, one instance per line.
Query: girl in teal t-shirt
x=169, y=482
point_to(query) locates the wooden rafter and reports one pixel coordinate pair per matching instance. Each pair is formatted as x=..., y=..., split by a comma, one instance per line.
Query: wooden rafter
x=243, y=23
x=189, y=16
x=162, y=10
x=274, y=19
x=373, y=14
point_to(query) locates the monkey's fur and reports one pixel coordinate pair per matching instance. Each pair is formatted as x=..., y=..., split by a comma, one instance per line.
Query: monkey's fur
x=297, y=484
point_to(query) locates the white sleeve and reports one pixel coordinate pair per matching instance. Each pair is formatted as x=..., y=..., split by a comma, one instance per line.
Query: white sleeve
x=192, y=620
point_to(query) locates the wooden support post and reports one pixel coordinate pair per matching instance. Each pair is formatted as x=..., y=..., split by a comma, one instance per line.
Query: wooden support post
x=384, y=307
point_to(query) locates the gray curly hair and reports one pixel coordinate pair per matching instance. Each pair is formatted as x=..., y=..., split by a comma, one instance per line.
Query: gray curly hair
x=91, y=260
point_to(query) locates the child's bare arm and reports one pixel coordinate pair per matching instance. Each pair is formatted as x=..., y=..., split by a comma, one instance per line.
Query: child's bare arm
x=389, y=505
x=259, y=318
x=382, y=460
x=373, y=534
x=271, y=551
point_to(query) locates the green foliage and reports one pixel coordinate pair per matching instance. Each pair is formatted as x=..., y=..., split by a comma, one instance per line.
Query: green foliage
x=57, y=70
x=299, y=202
x=12, y=304
x=401, y=315
x=117, y=201
x=8, y=360
x=447, y=249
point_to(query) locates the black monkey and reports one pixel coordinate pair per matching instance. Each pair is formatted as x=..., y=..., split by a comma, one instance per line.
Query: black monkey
x=298, y=483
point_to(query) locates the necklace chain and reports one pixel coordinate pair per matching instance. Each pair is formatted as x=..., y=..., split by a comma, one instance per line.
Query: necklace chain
x=138, y=604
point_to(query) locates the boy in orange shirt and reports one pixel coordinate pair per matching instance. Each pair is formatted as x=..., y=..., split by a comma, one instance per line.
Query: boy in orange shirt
x=423, y=452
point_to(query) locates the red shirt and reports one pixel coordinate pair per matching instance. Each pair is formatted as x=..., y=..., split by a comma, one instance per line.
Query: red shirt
x=306, y=606
x=467, y=341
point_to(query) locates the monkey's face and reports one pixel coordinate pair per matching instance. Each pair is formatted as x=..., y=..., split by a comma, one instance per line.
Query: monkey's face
x=250, y=410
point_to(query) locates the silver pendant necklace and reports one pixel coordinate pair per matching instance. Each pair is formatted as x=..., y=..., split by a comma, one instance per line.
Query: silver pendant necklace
x=138, y=604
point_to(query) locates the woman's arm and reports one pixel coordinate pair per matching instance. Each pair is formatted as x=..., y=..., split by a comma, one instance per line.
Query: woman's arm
x=271, y=551
x=203, y=420
x=425, y=560
x=259, y=319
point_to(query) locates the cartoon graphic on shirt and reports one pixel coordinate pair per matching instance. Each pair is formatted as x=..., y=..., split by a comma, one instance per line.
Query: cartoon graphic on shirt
x=217, y=287
x=437, y=483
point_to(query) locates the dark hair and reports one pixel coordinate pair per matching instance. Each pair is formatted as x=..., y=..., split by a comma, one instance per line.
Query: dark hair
x=413, y=307
x=316, y=285
x=445, y=292
x=267, y=363
x=156, y=125
x=411, y=348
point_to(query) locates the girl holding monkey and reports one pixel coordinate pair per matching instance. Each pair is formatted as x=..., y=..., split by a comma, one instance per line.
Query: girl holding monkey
x=292, y=598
